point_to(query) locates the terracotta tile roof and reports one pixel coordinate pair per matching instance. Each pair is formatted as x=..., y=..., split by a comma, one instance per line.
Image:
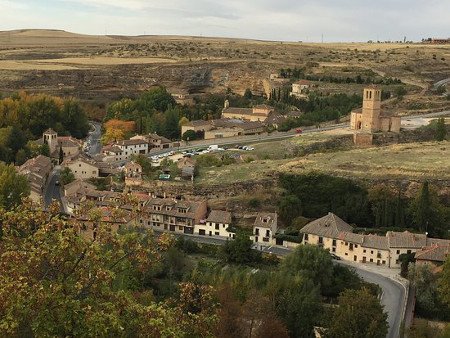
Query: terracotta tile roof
x=241, y=111
x=131, y=142
x=219, y=216
x=351, y=237
x=198, y=123
x=68, y=141
x=436, y=253
x=263, y=106
x=376, y=242
x=406, y=239
x=328, y=226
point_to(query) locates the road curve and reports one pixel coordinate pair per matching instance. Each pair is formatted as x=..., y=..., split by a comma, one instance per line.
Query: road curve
x=393, y=299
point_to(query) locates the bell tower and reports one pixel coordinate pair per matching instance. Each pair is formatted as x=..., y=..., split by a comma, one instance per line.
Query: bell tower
x=371, y=109
x=50, y=137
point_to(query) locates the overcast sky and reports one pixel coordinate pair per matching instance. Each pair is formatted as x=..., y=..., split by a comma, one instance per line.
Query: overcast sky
x=293, y=20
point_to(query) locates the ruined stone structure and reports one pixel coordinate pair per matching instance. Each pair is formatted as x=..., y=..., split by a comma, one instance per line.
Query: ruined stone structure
x=370, y=119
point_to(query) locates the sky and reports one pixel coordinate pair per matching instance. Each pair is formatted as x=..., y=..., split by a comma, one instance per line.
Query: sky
x=286, y=20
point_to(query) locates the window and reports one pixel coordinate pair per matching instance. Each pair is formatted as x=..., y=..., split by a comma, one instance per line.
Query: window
x=257, y=231
x=371, y=251
x=216, y=233
x=320, y=240
x=371, y=260
x=364, y=250
x=398, y=252
x=356, y=245
x=306, y=237
x=267, y=233
x=334, y=242
x=408, y=251
x=333, y=249
x=351, y=247
x=217, y=226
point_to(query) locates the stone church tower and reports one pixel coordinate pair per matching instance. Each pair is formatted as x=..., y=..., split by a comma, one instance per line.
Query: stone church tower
x=371, y=109
x=50, y=137
x=370, y=119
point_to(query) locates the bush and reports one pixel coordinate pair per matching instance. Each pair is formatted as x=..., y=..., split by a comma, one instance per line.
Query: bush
x=189, y=135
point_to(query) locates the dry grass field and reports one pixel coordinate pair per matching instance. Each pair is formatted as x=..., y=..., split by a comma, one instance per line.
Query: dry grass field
x=64, y=63
x=428, y=160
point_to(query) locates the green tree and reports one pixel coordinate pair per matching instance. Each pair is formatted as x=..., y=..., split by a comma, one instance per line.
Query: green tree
x=298, y=305
x=13, y=187
x=61, y=155
x=444, y=283
x=248, y=94
x=171, y=127
x=289, y=208
x=67, y=176
x=428, y=214
x=359, y=314
x=310, y=261
x=240, y=250
x=189, y=135
x=429, y=303
x=440, y=129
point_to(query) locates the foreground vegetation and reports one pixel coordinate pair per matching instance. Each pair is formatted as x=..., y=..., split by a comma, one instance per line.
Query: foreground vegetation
x=57, y=282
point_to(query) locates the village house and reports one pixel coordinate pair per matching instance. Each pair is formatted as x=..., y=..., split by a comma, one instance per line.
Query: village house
x=224, y=127
x=265, y=228
x=187, y=167
x=155, y=141
x=172, y=215
x=300, y=89
x=82, y=167
x=336, y=236
x=433, y=255
x=133, y=173
x=76, y=187
x=217, y=224
x=257, y=113
x=37, y=170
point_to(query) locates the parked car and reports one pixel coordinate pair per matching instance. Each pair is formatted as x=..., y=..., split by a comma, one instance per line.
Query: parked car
x=298, y=131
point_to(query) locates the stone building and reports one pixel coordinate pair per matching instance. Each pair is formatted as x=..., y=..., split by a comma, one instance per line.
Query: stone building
x=370, y=119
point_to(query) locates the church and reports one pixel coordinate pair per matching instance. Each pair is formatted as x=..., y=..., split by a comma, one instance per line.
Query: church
x=370, y=118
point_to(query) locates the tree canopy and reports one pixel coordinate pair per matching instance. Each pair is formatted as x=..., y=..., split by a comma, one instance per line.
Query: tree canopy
x=13, y=187
x=359, y=314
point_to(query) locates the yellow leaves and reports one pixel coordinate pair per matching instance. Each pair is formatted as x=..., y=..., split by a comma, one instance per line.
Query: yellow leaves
x=116, y=130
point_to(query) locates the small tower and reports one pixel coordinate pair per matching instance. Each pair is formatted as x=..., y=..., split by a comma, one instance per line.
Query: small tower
x=226, y=104
x=50, y=137
x=371, y=109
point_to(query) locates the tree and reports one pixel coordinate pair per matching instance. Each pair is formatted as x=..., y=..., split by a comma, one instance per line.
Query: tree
x=289, y=208
x=13, y=187
x=359, y=315
x=298, y=305
x=248, y=94
x=310, y=261
x=66, y=176
x=116, y=130
x=189, y=135
x=61, y=155
x=429, y=301
x=428, y=214
x=440, y=129
x=444, y=283
x=240, y=250
x=183, y=121
x=58, y=283
x=171, y=127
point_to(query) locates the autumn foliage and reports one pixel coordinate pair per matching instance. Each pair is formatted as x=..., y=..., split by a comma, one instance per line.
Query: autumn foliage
x=116, y=130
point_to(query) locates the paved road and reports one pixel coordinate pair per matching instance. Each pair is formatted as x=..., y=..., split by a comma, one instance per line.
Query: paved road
x=94, y=138
x=393, y=299
x=406, y=121
x=53, y=191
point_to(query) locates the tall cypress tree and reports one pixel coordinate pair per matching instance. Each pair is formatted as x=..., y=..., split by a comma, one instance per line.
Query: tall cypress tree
x=422, y=212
